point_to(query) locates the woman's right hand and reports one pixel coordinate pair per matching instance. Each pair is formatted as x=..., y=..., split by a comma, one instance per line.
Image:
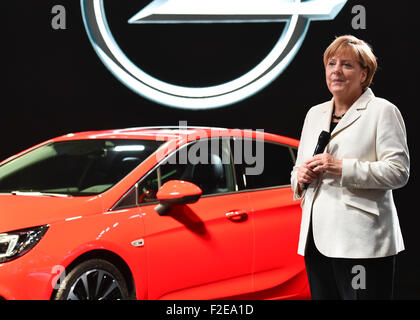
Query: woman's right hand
x=305, y=175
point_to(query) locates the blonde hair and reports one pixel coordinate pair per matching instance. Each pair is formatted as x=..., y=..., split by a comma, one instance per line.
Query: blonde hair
x=361, y=50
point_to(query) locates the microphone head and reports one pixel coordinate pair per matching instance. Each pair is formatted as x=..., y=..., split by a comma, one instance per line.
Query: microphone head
x=324, y=138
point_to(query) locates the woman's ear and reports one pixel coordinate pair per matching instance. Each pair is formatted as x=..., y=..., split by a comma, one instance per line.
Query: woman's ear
x=364, y=75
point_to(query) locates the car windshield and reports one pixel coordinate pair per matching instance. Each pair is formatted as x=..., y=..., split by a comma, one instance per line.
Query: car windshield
x=76, y=168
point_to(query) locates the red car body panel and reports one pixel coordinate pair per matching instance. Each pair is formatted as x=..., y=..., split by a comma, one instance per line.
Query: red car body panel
x=177, y=270
x=185, y=255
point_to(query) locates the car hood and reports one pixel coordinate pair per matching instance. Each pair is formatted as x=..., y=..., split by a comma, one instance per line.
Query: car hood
x=24, y=211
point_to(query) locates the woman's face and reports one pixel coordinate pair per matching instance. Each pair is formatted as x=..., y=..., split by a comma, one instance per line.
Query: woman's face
x=344, y=75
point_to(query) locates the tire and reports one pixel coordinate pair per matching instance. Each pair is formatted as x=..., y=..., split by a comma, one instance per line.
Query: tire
x=94, y=279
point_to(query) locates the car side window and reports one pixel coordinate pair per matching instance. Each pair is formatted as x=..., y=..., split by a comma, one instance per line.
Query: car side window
x=206, y=163
x=270, y=165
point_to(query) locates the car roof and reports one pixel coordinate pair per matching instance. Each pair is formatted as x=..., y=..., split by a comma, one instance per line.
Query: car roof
x=165, y=133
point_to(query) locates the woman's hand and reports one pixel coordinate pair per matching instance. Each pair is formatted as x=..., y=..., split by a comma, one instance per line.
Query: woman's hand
x=325, y=163
x=305, y=175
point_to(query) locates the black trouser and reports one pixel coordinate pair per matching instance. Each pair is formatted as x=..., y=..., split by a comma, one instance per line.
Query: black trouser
x=348, y=279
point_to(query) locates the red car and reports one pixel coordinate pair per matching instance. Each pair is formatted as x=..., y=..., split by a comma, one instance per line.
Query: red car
x=151, y=213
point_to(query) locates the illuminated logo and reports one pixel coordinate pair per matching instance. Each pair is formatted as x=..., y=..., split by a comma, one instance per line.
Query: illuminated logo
x=295, y=14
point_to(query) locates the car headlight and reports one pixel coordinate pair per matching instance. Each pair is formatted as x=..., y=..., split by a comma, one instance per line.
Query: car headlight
x=16, y=243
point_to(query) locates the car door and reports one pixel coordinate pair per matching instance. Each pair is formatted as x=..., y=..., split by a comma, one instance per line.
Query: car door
x=278, y=269
x=202, y=250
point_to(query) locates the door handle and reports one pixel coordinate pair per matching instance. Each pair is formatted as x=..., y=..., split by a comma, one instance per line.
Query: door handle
x=237, y=215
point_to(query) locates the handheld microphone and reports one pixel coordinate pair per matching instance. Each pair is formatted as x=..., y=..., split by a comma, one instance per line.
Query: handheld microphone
x=324, y=138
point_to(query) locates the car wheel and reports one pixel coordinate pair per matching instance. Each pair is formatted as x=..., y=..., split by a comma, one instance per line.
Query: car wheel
x=93, y=280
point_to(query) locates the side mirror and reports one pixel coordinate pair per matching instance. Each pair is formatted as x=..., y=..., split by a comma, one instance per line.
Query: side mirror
x=176, y=192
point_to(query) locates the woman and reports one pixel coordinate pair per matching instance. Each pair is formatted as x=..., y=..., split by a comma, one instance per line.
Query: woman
x=350, y=232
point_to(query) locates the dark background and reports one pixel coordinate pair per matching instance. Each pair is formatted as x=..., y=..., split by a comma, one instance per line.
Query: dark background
x=56, y=84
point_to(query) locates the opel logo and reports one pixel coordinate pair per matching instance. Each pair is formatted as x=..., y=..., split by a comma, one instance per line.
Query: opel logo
x=295, y=14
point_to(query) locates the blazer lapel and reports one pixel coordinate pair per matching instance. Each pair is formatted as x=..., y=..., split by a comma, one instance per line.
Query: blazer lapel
x=354, y=112
x=325, y=119
x=351, y=115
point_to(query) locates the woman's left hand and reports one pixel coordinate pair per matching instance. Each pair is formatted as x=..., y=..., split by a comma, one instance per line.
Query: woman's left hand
x=325, y=163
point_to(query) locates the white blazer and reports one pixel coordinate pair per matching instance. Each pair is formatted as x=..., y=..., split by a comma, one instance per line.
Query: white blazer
x=354, y=215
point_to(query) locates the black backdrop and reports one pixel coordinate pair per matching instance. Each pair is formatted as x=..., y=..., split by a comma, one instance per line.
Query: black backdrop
x=56, y=84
